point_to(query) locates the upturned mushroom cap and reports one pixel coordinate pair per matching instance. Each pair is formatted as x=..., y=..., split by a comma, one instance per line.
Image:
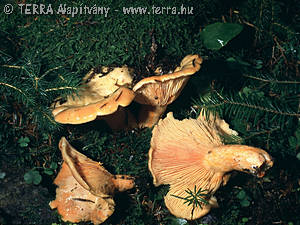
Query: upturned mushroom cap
x=156, y=92
x=85, y=187
x=88, y=106
x=102, y=91
x=75, y=204
x=163, y=90
x=190, y=153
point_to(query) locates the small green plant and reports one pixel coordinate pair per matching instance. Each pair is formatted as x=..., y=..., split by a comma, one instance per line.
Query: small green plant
x=33, y=176
x=243, y=221
x=243, y=198
x=195, y=198
x=49, y=171
x=23, y=142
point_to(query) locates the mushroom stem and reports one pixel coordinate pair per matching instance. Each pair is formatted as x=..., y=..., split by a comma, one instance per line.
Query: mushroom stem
x=121, y=119
x=149, y=115
x=244, y=158
x=123, y=182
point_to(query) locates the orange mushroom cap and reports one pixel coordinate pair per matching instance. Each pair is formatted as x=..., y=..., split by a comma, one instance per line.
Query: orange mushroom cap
x=95, y=106
x=85, y=188
x=156, y=92
x=190, y=153
x=75, y=204
x=100, y=94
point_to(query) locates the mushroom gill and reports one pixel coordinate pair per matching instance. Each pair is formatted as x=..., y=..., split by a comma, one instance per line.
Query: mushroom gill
x=156, y=92
x=190, y=153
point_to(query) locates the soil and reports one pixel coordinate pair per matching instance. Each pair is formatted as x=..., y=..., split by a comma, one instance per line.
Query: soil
x=22, y=203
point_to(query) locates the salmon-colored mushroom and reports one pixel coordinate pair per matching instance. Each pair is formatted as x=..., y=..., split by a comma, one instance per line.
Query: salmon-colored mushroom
x=102, y=95
x=156, y=92
x=85, y=188
x=190, y=153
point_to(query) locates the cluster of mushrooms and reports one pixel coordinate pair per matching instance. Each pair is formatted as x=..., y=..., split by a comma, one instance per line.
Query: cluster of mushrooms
x=184, y=154
x=106, y=93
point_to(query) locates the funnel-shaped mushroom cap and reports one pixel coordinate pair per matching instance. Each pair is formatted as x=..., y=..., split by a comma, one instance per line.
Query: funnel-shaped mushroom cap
x=163, y=90
x=190, y=153
x=156, y=92
x=85, y=188
x=88, y=105
x=90, y=174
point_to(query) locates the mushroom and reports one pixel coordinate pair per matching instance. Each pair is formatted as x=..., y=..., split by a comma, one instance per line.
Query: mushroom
x=190, y=153
x=85, y=188
x=106, y=80
x=221, y=125
x=101, y=95
x=156, y=92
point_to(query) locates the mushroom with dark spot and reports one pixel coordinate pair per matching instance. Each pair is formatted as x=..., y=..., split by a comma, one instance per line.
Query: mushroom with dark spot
x=103, y=97
x=191, y=153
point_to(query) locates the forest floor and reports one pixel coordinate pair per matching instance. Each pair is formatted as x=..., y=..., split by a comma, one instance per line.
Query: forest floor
x=273, y=199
